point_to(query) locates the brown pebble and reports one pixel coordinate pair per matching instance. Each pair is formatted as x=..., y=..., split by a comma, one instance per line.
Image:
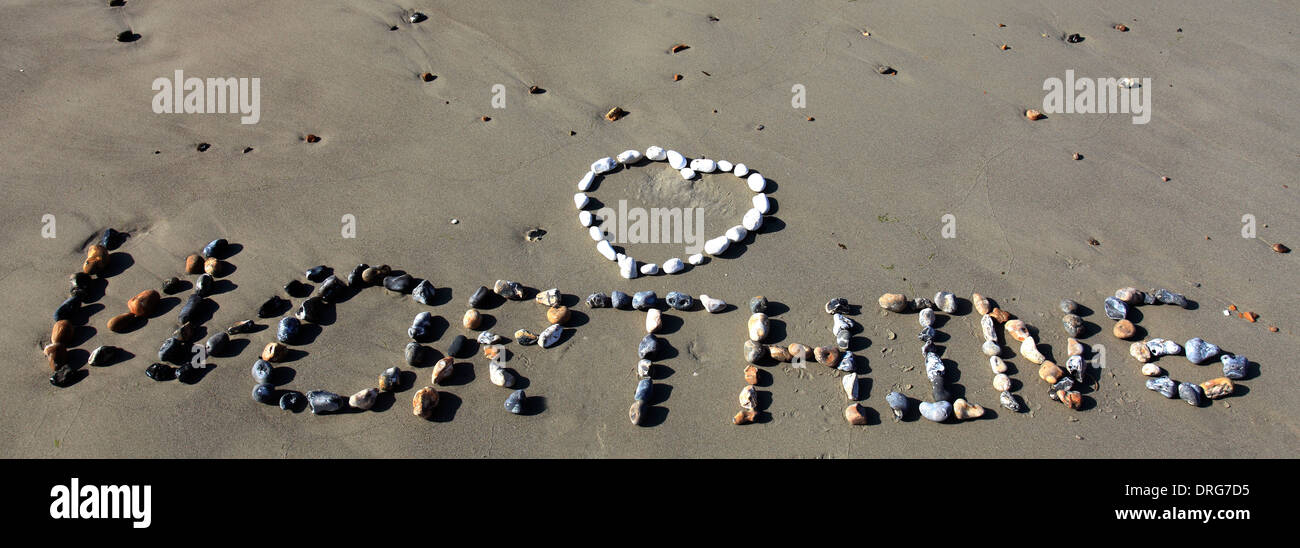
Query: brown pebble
x=122, y=323
x=1078, y=156
x=62, y=332
x=1217, y=388
x=93, y=265
x=1000, y=315
x=1004, y=47
x=57, y=353
x=797, y=351
x=471, y=319
x=1272, y=328
x=1120, y=27
x=486, y=118
x=828, y=356
x=212, y=267
x=274, y=352
x=1165, y=179
x=744, y=417
x=491, y=351
x=1034, y=114
x=1124, y=329
x=853, y=413
x=535, y=90
x=1250, y=316
x=144, y=304
x=1071, y=399
x=779, y=353
x=194, y=264
x=427, y=77
x=424, y=401
x=1281, y=248
x=557, y=314
x=615, y=113
x=677, y=77
x=751, y=374
x=679, y=47
x=312, y=138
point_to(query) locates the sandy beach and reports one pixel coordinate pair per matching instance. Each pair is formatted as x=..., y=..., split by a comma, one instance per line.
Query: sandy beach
x=869, y=172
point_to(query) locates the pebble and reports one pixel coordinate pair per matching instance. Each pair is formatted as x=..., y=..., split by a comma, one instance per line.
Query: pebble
x=744, y=417
x=1164, y=385
x=679, y=301
x=508, y=289
x=893, y=302
x=628, y=157
x=1164, y=347
x=627, y=268
x=402, y=283
x=364, y=399
x=102, y=356
x=1009, y=402
x=1017, y=329
x=1140, y=352
x=927, y=334
x=550, y=336
x=934, y=367
x=1029, y=349
x=647, y=347
x=1070, y=398
x=391, y=379
x=356, y=278
x=830, y=356
x=557, y=315
x=758, y=304
x=205, y=285
x=423, y=293
x=797, y=350
x=997, y=365
x=215, y=344
x=1130, y=295
x=1000, y=315
x=1124, y=329
x=704, y=165
x=754, y=351
x=173, y=350
x=926, y=318
x=1077, y=368
x=656, y=153
x=643, y=369
x=598, y=300
x=416, y=354
x=443, y=370
x=675, y=159
x=1151, y=370
x=653, y=320
x=421, y=327
x=740, y=170
x=758, y=327
x=673, y=266
x=160, y=372
x=488, y=337
x=321, y=401
x=374, y=275
x=725, y=166
x=1073, y=347
x=515, y=401
x=645, y=300
x=274, y=352
x=1198, y=351
x=779, y=353
x=318, y=274
x=636, y=412
x=696, y=259
x=621, y=300
x=603, y=165
x=1234, y=367
x=193, y=264
x=239, y=327
x=1001, y=382
x=643, y=389
x=1069, y=306
x=472, y=319
x=605, y=249
x=898, y=403
x=751, y=375
x=478, y=297
x=752, y=221
x=1073, y=324
x=988, y=328
x=112, y=239
x=946, y=301
x=80, y=284
x=964, y=410
x=499, y=376
x=424, y=401
x=842, y=338
x=1217, y=388
x=550, y=297
x=264, y=393
x=650, y=269
x=854, y=414
x=936, y=411
x=1115, y=308
x=1050, y=372
x=1190, y=393
x=712, y=305
x=585, y=219
x=922, y=303
x=761, y=203
x=840, y=322
x=980, y=303
x=748, y=398
x=296, y=288
x=687, y=173
x=291, y=401
x=271, y=307
x=1169, y=297
x=288, y=329
x=717, y=246
x=736, y=233
x=190, y=308
x=756, y=182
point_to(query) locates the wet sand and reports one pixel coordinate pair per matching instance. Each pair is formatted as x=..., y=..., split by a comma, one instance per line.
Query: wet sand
x=861, y=191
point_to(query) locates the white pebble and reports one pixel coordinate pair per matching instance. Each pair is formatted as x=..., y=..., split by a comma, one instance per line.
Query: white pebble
x=761, y=203
x=725, y=166
x=673, y=266
x=628, y=157
x=717, y=245
x=740, y=170
x=584, y=218
x=736, y=233
x=655, y=153
x=752, y=220
x=756, y=182
x=696, y=259
x=850, y=383
x=627, y=267
x=596, y=234
x=687, y=173
x=676, y=159
x=602, y=165
x=585, y=183
x=704, y=165
x=713, y=305
x=606, y=250
x=581, y=200
x=649, y=269
x=653, y=320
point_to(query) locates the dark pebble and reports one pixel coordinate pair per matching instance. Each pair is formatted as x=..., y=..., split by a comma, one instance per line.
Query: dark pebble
x=620, y=300
x=318, y=273
x=297, y=289
x=272, y=307
x=598, y=300
x=160, y=372
x=480, y=295
x=216, y=248
x=458, y=347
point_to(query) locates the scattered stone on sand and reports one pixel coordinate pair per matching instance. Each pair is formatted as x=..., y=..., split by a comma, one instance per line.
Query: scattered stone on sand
x=424, y=401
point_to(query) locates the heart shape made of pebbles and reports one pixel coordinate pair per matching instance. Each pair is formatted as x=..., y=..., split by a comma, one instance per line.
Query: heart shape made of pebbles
x=689, y=169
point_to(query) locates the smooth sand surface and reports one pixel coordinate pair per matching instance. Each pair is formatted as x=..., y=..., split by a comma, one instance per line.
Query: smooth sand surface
x=861, y=192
